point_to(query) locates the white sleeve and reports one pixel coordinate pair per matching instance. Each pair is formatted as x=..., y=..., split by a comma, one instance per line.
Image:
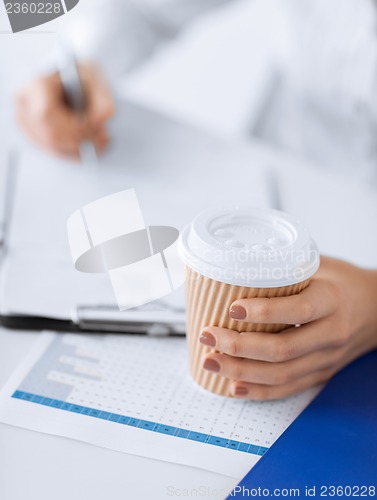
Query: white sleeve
x=335, y=56
x=119, y=34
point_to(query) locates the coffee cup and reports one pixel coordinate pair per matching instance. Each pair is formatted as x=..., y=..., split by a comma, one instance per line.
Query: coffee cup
x=235, y=254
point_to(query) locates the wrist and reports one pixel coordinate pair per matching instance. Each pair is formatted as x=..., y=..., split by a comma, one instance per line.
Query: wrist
x=371, y=295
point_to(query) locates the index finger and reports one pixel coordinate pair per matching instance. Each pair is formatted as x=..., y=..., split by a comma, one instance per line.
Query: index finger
x=316, y=301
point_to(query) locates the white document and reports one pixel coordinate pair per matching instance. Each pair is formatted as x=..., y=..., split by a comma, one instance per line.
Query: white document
x=176, y=172
x=134, y=394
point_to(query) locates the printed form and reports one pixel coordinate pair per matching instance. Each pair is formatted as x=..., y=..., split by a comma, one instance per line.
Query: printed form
x=134, y=394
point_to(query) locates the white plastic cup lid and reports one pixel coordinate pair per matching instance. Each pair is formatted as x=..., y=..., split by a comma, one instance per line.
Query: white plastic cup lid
x=254, y=247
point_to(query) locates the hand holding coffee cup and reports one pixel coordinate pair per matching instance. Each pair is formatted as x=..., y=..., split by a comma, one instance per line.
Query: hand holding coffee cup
x=232, y=256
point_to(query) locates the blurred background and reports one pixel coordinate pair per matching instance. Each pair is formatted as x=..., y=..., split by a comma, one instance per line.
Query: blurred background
x=297, y=74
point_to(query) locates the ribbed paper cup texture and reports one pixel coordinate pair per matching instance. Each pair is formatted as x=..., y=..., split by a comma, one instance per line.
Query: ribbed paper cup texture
x=207, y=304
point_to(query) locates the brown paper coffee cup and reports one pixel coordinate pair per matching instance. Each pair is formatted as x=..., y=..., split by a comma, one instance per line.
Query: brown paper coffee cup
x=207, y=304
x=235, y=254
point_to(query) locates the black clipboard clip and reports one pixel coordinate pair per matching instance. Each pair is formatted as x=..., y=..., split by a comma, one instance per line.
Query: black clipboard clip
x=157, y=319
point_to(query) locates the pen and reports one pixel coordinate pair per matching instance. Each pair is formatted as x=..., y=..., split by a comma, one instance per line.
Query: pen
x=75, y=96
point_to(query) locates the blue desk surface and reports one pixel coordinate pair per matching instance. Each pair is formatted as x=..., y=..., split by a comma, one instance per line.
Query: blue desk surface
x=332, y=443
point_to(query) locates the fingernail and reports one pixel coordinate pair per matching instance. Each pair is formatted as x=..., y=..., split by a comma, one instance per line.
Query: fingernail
x=207, y=338
x=240, y=391
x=211, y=365
x=237, y=312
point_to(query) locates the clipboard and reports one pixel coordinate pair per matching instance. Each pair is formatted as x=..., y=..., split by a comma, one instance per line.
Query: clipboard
x=156, y=319
x=39, y=286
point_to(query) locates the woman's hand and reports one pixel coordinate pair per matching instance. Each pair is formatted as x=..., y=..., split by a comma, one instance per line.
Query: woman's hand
x=44, y=116
x=338, y=317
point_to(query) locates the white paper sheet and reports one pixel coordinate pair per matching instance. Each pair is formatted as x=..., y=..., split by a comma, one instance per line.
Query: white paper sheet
x=134, y=394
x=176, y=172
